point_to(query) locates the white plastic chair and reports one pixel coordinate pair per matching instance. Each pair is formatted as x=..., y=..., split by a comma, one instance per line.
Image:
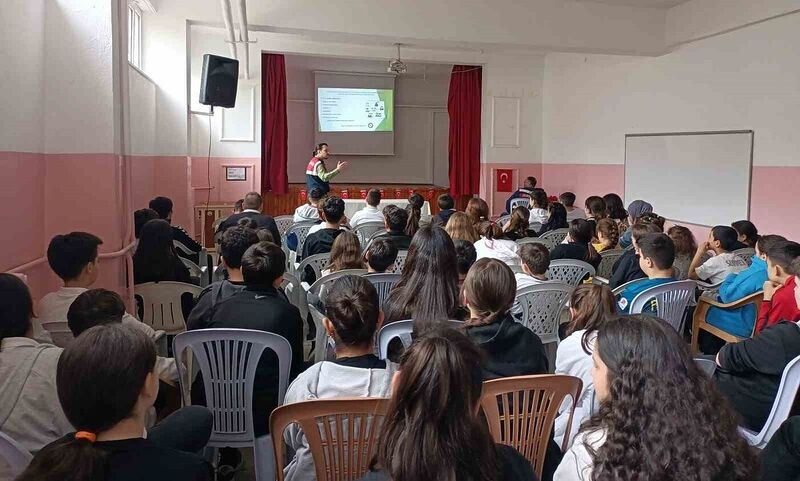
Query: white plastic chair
x=299, y=229
x=14, y=455
x=196, y=272
x=383, y=284
x=536, y=240
x=557, y=236
x=607, y=260
x=781, y=408
x=706, y=365
x=323, y=344
x=284, y=223
x=161, y=303
x=59, y=332
x=366, y=230
x=228, y=359
x=202, y=260
x=401, y=330
x=502, y=220
x=671, y=300
x=522, y=201
x=541, y=307
x=399, y=263
x=622, y=287
x=316, y=262
x=746, y=254
x=569, y=271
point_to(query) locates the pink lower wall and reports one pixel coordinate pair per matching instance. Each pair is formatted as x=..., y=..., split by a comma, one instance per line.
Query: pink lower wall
x=211, y=172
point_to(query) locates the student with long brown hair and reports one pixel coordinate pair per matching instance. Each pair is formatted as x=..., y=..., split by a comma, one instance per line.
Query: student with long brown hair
x=685, y=247
x=414, y=209
x=590, y=305
x=518, y=226
x=433, y=429
x=345, y=253
x=477, y=210
x=460, y=227
x=607, y=234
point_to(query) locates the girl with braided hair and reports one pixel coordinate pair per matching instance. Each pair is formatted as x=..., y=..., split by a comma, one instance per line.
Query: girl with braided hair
x=660, y=417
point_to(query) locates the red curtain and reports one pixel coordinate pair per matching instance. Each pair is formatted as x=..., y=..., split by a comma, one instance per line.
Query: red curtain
x=464, y=107
x=274, y=130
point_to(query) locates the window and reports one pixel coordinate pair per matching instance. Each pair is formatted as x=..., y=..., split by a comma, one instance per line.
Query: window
x=134, y=36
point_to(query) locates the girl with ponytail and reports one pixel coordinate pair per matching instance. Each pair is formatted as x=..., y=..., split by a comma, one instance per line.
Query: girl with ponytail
x=414, y=209
x=106, y=385
x=511, y=348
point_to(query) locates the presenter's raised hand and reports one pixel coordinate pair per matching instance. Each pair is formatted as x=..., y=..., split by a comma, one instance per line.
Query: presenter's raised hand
x=341, y=165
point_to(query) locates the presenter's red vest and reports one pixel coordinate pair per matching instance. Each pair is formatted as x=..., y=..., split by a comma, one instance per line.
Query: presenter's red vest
x=312, y=179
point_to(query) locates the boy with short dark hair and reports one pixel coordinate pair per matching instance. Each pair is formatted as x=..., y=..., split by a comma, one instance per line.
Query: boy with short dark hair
x=370, y=213
x=380, y=255
x=395, y=220
x=321, y=241
x=163, y=206
x=722, y=240
x=535, y=261
x=93, y=308
x=466, y=255
x=657, y=254
x=568, y=200
x=627, y=268
x=446, y=209
x=779, y=302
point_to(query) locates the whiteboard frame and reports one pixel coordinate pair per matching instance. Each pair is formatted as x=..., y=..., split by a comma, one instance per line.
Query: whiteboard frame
x=705, y=132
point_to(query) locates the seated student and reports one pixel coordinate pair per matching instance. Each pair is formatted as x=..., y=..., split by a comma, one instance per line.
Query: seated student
x=238, y=206
x=460, y=227
x=747, y=234
x=478, y=211
x=29, y=409
x=636, y=209
x=538, y=207
x=163, y=206
x=567, y=199
x=446, y=209
x=435, y=403
x=523, y=192
x=101, y=306
x=252, y=209
x=260, y=306
x=352, y=318
x=589, y=306
x=659, y=429
x=626, y=268
x=465, y=257
x=721, y=241
x=234, y=243
x=779, y=303
x=656, y=255
x=414, y=209
x=140, y=218
x=321, y=242
x=106, y=385
x=780, y=459
x=309, y=212
x=578, y=244
x=370, y=213
x=535, y=260
x=493, y=245
x=685, y=247
x=396, y=220
x=595, y=210
x=345, y=254
x=380, y=256
x=156, y=259
x=73, y=257
x=557, y=218
x=518, y=226
x=607, y=234
x=615, y=210
x=740, y=322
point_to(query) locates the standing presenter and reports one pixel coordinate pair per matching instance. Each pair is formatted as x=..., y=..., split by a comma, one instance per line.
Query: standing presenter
x=317, y=175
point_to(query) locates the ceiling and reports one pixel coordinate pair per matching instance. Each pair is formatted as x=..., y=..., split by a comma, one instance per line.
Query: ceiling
x=641, y=3
x=415, y=69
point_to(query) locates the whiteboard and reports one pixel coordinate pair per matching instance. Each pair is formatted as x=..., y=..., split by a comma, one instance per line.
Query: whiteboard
x=700, y=178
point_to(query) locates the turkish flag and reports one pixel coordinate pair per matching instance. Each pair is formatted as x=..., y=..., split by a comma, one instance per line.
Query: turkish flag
x=303, y=196
x=504, y=178
x=363, y=193
x=345, y=194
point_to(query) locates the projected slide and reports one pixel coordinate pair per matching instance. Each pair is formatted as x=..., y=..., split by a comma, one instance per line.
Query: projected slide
x=355, y=110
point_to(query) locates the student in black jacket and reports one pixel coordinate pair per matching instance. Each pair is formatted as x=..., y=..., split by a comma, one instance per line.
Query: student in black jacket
x=446, y=209
x=627, y=268
x=396, y=220
x=163, y=206
x=579, y=244
x=750, y=371
x=261, y=306
x=321, y=241
x=156, y=259
x=252, y=204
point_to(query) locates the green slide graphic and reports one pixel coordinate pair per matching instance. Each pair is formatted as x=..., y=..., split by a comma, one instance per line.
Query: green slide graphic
x=387, y=124
x=355, y=110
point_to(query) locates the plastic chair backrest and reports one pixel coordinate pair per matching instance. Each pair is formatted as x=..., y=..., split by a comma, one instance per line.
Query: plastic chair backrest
x=284, y=223
x=300, y=229
x=195, y=272
x=537, y=240
x=746, y=254
x=161, y=303
x=671, y=300
x=366, y=230
x=331, y=277
x=677, y=273
x=322, y=340
x=383, y=284
x=228, y=359
x=706, y=365
x=569, y=271
x=60, y=332
x=502, y=220
x=521, y=410
x=342, y=434
x=782, y=407
x=401, y=330
x=557, y=236
x=622, y=287
x=292, y=294
x=14, y=455
x=317, y=262
x=541, y=308
x=522, y=201
x=607, y=260
x=399, y=263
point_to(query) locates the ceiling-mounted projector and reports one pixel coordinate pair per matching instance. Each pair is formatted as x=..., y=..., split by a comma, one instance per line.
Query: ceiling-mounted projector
x=396, y=65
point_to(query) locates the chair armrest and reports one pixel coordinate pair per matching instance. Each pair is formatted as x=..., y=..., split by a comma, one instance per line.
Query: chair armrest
x=707, y=286
x=752, y=298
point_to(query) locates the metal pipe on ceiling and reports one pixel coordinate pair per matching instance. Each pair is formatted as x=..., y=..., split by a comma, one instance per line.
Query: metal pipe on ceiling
x=227, y=18
x=244, y=37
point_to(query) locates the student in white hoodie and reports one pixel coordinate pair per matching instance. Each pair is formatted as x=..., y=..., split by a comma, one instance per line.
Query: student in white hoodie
x=352, y=317
x=492, y=244
x=309, y=212
x=590, y=304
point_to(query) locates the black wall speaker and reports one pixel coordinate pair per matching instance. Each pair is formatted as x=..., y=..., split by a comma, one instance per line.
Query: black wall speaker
x=219, y=80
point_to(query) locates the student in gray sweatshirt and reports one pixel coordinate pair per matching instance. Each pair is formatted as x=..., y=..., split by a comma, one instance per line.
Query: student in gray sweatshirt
x=352, y=317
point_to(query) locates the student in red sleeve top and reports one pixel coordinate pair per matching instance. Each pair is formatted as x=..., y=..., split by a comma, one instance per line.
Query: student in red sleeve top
x=779, y=301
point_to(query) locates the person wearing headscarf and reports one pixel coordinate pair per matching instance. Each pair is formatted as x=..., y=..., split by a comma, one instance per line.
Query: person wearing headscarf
x=635, y=210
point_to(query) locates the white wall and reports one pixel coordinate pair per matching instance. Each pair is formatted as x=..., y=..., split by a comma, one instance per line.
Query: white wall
x=142, y=95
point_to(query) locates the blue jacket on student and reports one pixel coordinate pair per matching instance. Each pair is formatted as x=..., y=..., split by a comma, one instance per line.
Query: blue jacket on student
x=739, y=322
x=629, y=294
